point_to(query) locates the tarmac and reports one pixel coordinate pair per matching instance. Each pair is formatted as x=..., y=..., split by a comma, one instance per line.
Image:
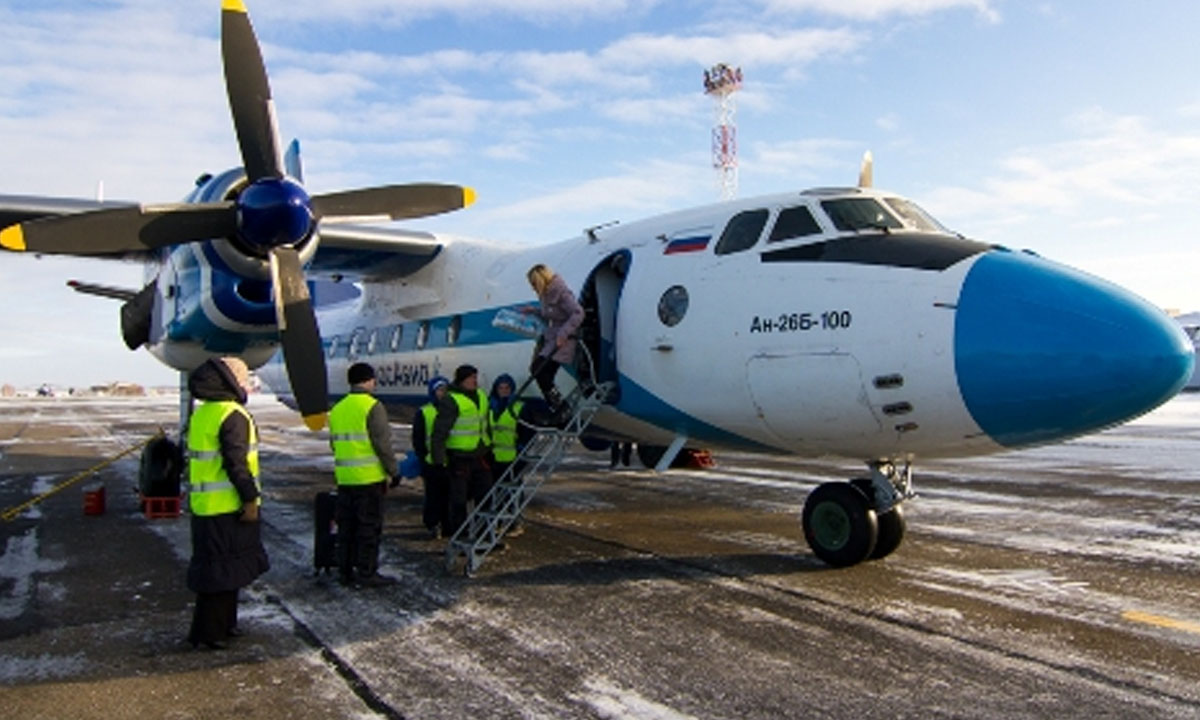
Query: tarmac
x=1059, y=582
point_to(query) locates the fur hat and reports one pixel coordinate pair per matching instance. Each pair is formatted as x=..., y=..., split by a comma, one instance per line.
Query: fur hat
x=237, y=368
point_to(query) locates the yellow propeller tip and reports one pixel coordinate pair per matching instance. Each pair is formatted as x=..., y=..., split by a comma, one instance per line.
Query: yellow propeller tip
x=316, y=421
x=234, y=6
x=468, y=197
x=13, y=238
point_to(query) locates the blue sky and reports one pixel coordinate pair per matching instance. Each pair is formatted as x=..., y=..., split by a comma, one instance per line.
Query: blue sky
x=1070, y=128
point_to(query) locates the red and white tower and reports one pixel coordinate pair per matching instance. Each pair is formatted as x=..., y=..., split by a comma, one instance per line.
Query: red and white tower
x=721, y=82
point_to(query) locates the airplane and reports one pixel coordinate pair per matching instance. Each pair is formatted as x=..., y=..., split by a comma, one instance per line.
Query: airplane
x=834, y=321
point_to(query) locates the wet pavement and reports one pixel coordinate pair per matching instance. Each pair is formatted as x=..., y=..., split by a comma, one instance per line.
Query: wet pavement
x=1059, y=582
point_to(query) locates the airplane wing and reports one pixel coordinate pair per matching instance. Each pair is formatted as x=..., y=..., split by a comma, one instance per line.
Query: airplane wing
x=367, y=253
x=20, y=208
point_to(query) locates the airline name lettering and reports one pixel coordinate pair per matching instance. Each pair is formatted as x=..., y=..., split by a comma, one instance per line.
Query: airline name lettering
x=403, y=374
x=802, y=322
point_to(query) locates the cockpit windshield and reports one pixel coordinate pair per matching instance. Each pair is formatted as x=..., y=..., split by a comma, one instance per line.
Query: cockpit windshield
x=858, y=214
x=914, y=215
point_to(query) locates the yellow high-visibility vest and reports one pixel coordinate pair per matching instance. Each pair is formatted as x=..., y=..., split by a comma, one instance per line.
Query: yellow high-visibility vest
x=470, y=428
x=429, y=414
x=354, y=458
x=210, y=491
x=504, y=432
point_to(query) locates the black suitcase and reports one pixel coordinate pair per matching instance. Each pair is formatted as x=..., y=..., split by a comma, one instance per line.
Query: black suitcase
x=324, y=531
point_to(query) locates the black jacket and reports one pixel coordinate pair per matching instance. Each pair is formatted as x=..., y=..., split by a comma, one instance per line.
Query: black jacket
x=447, y=415
x=227, y=553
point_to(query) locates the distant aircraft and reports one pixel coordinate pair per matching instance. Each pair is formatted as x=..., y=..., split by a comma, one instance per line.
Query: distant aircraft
x=833, y=321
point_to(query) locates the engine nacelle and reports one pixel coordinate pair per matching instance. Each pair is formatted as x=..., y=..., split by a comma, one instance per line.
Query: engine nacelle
x=241, y=258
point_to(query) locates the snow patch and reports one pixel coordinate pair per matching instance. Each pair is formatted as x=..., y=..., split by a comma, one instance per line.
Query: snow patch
x=609, y=701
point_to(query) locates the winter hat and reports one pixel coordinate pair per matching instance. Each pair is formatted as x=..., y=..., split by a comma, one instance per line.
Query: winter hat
x=435, y=383
x=462, y=372
x=359, y=373
x=237, y=368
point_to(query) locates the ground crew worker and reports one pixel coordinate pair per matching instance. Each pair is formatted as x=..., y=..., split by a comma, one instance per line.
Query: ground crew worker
x=436, y=510
x=508, y=433
x=363, y=465
x=459, y=442
x=224, y=498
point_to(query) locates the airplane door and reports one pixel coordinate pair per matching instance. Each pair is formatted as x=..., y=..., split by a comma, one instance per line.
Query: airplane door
x=601, y=300
x=811, y=397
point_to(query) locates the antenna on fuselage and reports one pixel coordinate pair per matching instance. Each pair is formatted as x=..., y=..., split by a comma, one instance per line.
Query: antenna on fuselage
x=720, y=83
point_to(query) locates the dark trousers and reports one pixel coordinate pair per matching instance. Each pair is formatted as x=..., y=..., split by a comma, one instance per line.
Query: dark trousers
x=621, y=452
x=435, y=512
x=215, y=616
x=469, y=479
x=543, y=370
x=360, y=525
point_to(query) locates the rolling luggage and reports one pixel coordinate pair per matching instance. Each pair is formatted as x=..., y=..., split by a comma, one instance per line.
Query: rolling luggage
x=324, y=531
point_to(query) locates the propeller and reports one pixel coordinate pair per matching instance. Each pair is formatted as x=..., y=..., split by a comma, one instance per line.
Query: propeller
x=270, y=217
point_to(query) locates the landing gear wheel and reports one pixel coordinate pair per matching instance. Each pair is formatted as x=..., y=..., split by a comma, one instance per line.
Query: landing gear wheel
x=839, y=524
x=891, y=532
x=891, y=524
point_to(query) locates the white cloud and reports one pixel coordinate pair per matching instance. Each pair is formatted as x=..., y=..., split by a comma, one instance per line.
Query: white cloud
x=878, y=9
x=399, y=12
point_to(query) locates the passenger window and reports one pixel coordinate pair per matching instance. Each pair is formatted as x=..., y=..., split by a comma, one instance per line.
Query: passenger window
x=397, y=335
x=373, y=342
x=742, y=231
x=453, y=330
x=793, y=223
x=355, y=344
x=333, y=346
x=422, y=334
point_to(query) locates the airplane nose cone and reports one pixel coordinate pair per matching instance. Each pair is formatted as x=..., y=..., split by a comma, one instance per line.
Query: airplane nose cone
x=1044, y=352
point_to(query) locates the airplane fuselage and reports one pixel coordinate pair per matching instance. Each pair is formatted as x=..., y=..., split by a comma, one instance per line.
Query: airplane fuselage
x=818, y=323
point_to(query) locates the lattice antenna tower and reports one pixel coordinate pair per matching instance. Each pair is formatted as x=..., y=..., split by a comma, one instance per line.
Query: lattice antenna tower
x=720, y=83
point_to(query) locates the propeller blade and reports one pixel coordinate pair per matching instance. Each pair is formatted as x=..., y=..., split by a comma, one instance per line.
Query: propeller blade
x=300, y=337
x=249, y=94
x=393, y=202
x=124, y=229
x=866, y=170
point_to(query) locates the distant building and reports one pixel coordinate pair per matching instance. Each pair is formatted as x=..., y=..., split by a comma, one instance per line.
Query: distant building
x=119, y=389
x=8, y=391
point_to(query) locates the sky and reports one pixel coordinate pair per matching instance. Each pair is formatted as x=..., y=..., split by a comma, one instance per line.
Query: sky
x=1068, y=128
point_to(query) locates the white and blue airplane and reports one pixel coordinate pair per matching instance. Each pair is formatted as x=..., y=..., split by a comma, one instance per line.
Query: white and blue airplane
x=828, y=322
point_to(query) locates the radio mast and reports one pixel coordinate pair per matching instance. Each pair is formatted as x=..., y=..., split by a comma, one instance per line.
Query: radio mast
x=721, y=82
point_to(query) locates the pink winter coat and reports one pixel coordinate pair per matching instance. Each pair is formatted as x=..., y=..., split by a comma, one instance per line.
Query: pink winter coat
x=562, y=314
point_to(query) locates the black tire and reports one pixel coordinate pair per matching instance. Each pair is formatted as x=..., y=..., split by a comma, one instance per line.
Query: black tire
x=891, y=524
x=159, y=471
x=650, y=454
x=891, y=532
x=839, y=524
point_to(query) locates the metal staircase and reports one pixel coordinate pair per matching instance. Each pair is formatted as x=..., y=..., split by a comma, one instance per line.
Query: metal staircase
x=500, y=508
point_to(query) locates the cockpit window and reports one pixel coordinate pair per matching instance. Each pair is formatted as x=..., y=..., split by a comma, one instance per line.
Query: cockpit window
x=914, y=215
x=742, y=231
x=793, y=223
x=858, y=214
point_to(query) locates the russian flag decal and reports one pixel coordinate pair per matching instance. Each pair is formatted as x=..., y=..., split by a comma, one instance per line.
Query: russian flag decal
x=687, y=244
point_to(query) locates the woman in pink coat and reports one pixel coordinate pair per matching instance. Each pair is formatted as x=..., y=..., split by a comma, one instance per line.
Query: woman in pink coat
x=562, y=315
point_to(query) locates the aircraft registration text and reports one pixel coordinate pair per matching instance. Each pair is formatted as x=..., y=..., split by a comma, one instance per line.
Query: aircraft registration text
x=801, y=322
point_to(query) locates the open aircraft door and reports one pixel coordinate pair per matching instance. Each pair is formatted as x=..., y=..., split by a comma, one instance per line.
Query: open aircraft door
x=601, y=300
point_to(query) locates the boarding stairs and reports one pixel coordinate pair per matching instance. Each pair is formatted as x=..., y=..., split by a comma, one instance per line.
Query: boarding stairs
x=492, y=517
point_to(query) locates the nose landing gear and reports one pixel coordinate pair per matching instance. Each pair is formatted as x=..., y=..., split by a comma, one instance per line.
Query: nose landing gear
x=846, y=523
